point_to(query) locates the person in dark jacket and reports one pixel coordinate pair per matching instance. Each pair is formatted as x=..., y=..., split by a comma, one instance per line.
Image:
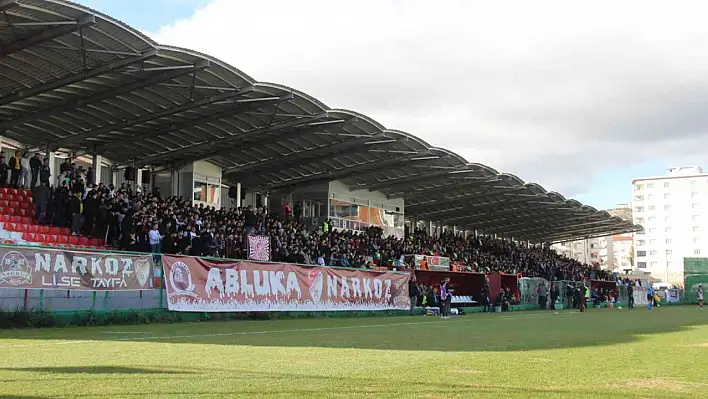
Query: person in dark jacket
x=90, y=211
x=15, y=168
x=61, y=197
x=45, y=173
x=630, y=295
x=35, y=167
x=4, y=169
x=76, y=209
x=413, y=293
x=486, y=300
x=41, y=196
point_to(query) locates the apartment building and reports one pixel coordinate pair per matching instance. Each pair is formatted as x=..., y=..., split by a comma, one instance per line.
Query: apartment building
x=671, y=208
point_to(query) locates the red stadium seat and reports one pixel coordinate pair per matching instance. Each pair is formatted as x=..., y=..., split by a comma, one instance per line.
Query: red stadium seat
x=29, y=236
x=83, y=241
x=62, y=239
x=44, y=229
x=31, y=228
x=73, y=240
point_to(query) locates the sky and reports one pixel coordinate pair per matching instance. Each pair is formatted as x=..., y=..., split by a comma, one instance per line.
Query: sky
x=579, y=97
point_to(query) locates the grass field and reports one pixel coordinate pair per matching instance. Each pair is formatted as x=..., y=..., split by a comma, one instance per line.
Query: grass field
x=599, y=354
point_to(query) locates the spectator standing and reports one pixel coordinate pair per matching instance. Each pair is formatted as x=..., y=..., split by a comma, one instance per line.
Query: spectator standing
x=630, y=295
x=446, y=292
x=15, y=169
x=76, y=208
x=25, y=171
x=35, y=167
x=542, y=291
x=41, y=196
x=3, y=171
x=555, y=294
x=413, y=293
x=486, y=301
x=45, y=173
x=155, y=239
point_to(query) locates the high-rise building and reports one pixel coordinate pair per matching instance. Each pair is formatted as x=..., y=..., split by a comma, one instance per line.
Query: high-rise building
x=671, y=210
x=616, y=252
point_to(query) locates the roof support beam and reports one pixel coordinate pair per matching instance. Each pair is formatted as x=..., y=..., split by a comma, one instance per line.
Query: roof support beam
x=462, y=202
x=600, y=235
x=209, y=147
x=497, y=221
x=293, y=159
x=348, y=171
x=75, y=78
x=577, y=232
x=471, y=209
x=417, y=177
x=80, y=102
x=116, y=127
x=47, y=35
x=280, y=136
x=457, y=184
x=7, y=5
x=566, y=223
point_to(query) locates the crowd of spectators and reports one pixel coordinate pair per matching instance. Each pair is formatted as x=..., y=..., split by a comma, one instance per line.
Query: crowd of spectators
x=146, y=221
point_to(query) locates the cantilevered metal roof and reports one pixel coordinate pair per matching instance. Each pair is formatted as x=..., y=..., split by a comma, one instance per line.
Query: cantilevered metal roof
x=71, y=77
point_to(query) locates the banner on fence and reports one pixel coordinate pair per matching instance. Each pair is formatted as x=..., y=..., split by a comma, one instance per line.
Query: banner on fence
x=199, y=285
x=74, y=270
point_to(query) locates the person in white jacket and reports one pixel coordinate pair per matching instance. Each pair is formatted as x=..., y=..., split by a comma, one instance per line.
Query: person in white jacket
x=25, y=173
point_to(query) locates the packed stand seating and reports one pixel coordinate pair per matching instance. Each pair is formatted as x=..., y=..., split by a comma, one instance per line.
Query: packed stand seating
x=204, y=231
x=72, y=211
x=37, y=210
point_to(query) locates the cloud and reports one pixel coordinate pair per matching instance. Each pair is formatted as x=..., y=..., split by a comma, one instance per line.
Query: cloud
x=553, y=91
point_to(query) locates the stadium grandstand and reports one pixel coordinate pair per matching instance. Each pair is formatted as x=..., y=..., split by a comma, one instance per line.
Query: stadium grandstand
x=77, y=84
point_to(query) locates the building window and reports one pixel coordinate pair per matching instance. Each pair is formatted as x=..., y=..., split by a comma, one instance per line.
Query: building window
x=694, y=194
x=639, y=198
x=653, y=264
x=667, y=185
x=640, y=243
x=694, y=217
x=652, y=219
x=650, y=196
x=639, y=187
x=652, y=242
x=668, y=241
x=695, y=206
x=667, y=196
x=693, y=182
x=639, y=220
x=650, y=185
x=652, y=252
x=696, y=240
x=667, y=207
x=651, y=230
x=696, y=251
x=667, y=230
x=669, y=264
x=639, y=209
x=667, y=219
x=641, y=253
x=642, y=265
x=668, y=252
x=696, y=228
x=652, y=207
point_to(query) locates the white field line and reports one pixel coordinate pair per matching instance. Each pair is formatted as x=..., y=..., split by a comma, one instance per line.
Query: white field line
x=242, y=333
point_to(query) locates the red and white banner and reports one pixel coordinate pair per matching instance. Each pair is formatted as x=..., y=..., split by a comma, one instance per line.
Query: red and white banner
x=258, y=248
x=198, y=285
x=24, y=267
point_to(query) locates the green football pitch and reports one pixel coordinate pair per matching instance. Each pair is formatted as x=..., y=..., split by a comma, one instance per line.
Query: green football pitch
x=609, y=353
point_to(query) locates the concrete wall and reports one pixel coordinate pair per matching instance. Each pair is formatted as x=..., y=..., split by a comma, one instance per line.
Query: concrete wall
x=58, y=300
